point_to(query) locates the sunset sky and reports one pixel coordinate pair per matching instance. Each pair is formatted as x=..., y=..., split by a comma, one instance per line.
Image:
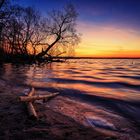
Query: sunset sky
x=109, y=28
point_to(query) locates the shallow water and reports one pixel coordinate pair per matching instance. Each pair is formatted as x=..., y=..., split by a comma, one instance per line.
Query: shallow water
x=107, y=91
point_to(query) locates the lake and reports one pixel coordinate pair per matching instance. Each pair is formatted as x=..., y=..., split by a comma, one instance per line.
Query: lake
x=101, y=93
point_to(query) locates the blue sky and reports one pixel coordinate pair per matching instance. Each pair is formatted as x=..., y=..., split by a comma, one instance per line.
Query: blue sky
x=117, y=12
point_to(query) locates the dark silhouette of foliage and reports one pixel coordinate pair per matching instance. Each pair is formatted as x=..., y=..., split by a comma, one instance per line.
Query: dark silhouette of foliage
x=26, y=34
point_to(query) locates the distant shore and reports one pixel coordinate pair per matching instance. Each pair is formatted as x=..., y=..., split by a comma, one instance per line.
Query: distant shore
x=54, y=59
x=98, y=57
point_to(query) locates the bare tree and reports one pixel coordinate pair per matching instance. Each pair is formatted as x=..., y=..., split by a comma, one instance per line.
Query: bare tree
x=4, y=14
x=60, y=30
x=22, y=30
x=27, y=34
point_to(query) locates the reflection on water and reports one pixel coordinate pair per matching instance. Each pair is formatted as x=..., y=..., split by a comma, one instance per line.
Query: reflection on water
x=110, y=87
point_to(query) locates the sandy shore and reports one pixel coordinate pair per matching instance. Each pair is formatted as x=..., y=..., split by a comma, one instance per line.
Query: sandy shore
x=52, y=125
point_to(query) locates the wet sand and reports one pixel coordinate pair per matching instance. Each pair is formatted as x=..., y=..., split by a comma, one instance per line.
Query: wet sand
x=15, y=123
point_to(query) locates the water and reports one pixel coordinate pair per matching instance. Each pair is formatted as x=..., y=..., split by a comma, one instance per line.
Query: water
x=102, y=93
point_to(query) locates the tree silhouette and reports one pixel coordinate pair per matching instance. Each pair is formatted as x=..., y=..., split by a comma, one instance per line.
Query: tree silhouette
x=60, y=29
x=25, y=33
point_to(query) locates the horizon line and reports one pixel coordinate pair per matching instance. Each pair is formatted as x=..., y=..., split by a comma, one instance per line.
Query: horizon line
x=83, y=57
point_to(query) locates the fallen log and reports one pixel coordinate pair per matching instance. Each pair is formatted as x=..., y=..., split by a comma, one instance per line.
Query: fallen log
x=37, y=97
x=31, y=110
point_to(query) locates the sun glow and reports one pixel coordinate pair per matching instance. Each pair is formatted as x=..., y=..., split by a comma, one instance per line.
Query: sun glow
x=108, y=41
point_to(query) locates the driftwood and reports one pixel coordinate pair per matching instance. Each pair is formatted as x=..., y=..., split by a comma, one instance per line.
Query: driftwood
x=37, y=97
x=30, y=98
x=31, y=110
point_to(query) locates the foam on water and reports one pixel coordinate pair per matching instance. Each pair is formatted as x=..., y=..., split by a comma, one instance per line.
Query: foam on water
x=100, y=123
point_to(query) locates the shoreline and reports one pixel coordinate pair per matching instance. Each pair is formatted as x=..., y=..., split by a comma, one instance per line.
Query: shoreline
x=53, y=125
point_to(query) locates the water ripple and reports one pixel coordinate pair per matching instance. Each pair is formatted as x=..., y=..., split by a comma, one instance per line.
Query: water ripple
x=113, y=84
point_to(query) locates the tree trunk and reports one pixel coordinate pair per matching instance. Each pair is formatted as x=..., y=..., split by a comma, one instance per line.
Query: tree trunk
x=43, y=53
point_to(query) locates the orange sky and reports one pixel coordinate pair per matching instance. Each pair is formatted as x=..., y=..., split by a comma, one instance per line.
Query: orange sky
x=108, y=41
